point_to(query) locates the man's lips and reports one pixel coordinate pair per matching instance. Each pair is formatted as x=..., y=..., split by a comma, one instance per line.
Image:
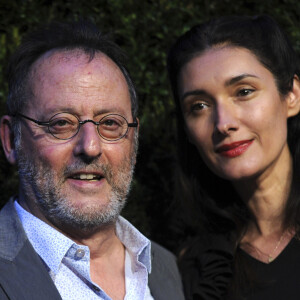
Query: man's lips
x=86, y=176
x=234, y=149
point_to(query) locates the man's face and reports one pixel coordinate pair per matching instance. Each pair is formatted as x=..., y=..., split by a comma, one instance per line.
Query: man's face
x=82, y=182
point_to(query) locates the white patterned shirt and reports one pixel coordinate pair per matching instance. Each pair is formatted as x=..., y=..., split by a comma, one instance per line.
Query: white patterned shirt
x=69, y=263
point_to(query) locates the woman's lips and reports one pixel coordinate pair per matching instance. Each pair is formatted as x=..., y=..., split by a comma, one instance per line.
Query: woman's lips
x=234, y=149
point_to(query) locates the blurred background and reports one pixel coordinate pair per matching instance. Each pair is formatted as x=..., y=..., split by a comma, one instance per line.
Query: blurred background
x=145, y=30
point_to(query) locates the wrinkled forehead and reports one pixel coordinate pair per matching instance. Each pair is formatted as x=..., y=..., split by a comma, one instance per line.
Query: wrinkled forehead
x=68, y=75
x=60, y=61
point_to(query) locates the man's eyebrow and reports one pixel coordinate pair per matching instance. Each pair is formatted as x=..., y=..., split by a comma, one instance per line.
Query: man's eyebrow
x=71, y=110
x=235, y=79
x=193, y=93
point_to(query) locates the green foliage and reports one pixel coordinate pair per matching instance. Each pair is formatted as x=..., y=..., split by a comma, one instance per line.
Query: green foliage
x=145, y=30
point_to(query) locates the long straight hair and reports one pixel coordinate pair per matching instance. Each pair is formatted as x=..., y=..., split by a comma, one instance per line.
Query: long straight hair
x=211, y=203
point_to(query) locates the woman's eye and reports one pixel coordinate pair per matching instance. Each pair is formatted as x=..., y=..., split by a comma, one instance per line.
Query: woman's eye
x=198, y=106
x=245, y=92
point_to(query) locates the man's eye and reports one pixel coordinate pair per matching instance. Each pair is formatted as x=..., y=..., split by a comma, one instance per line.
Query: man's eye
x=62, y=124
x=110, y=122
x=59, y=123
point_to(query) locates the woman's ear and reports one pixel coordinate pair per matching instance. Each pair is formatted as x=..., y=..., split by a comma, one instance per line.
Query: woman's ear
x=293, y=98
x=7, y=139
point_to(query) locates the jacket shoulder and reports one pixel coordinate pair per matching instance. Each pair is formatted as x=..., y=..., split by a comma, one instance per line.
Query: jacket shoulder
x=164, y=280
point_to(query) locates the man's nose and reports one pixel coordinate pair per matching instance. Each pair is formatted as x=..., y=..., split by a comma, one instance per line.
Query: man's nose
x=226, y=120
x=88, y=141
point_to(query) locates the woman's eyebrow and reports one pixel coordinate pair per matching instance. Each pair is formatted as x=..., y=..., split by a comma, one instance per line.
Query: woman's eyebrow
x=193, y=93
x=235, y=79
x=231, y=81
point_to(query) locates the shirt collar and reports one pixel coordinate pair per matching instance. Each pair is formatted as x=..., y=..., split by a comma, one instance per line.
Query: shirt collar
x=137, y=245
x=52, y=246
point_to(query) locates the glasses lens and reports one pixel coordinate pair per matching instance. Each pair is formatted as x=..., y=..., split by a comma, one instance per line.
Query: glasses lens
x=112, y=127
x=63, y=126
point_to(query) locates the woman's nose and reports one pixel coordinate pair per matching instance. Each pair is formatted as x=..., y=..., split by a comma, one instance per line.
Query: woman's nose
x=226, y=120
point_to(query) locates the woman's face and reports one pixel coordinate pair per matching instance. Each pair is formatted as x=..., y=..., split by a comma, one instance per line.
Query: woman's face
x=234, y=113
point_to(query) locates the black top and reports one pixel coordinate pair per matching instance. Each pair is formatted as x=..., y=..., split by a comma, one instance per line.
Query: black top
x=206, y=267
x=279, y=279
x=207, y=272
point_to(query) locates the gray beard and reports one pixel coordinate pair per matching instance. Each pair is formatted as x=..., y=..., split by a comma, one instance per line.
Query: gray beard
x=37, y=182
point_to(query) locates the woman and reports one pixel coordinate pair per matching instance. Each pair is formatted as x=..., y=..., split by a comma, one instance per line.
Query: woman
x=235, y=82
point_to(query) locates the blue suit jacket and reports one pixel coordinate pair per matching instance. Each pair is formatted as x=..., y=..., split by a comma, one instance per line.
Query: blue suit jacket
x=23, y=274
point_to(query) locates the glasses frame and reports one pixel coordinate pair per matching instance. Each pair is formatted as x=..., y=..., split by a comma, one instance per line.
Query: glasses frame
x=80, y=123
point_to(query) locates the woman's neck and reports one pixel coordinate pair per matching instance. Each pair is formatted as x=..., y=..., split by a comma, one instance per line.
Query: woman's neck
x=266, y=195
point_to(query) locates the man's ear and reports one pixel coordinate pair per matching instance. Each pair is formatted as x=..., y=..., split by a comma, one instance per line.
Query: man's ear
x=7, y=139
x=138, y=121
x=137, y=134
x=293, y=98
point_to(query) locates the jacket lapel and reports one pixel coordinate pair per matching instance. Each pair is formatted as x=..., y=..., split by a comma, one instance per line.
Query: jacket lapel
x=23, y=274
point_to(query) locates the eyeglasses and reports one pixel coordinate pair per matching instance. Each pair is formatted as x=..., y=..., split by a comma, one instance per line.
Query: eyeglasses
x=65, y=126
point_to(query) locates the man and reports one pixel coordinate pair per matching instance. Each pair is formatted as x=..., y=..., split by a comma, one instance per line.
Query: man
x=72, y=130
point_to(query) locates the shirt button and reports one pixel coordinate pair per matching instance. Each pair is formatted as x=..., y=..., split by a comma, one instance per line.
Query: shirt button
x=79, y=254
x=96, y=289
